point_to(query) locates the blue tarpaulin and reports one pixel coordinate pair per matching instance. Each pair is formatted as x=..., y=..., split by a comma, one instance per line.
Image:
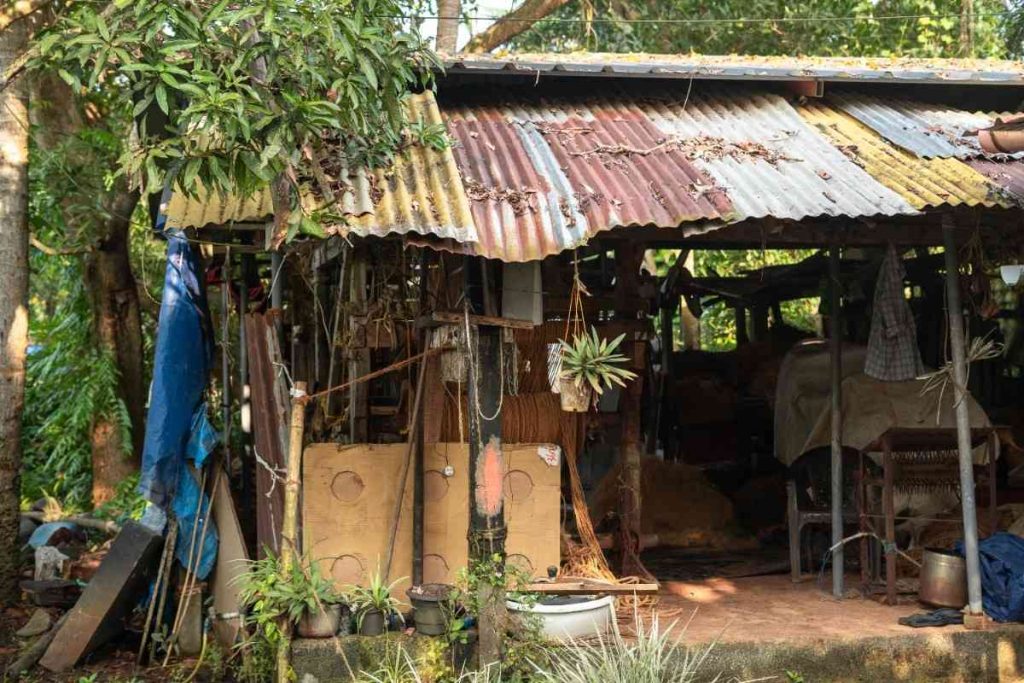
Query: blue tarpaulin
x=1002, y=575
x=177, y=430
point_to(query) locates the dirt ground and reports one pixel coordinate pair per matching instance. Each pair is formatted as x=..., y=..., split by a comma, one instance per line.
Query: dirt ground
x=774, y=609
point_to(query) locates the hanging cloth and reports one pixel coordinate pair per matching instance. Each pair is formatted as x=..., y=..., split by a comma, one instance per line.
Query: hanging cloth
x=892, y=354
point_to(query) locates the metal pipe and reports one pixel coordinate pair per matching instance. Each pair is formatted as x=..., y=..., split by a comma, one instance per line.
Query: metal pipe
x=245, y=416
x=836, y=348
x=963, y=422
x=418, y=429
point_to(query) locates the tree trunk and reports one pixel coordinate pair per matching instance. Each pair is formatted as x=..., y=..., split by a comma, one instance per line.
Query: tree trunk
x=13, y=300
x=117, y=322
x=111, y=288
x=448, y=25
x=511, y=25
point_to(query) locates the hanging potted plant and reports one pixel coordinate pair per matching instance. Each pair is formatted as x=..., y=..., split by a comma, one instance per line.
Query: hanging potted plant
x=301, y=594
x=373, y=605
x=589, y=365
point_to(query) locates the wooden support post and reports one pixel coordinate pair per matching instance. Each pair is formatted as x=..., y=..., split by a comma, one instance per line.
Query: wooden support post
x=889, y=510
x=836, y=347
x=359, y=363
x=290, y=524
x=486, y=470
x=793, y=517
x=963, y=421
x=742, y=336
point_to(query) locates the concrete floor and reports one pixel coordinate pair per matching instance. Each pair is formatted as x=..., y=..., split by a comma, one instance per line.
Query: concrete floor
x=774, y=609
x=763, y=627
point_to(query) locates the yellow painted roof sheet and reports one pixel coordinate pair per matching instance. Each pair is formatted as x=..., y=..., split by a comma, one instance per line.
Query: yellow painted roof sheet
x=922, y=182
x=420, y=193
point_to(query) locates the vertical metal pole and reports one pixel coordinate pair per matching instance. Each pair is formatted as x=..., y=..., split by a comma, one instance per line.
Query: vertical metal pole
x=963, y=423
x=418, y=471
x=225, y=400
x=836, y=347
x=486, y=468
x=243, y=349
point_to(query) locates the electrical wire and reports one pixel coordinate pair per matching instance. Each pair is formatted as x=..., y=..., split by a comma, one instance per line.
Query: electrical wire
x=675, y=21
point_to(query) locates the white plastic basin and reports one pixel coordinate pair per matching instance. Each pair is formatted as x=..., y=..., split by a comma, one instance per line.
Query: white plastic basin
x=570, y=617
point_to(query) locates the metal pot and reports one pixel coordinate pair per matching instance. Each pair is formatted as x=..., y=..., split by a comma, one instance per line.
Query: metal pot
x=943, y=579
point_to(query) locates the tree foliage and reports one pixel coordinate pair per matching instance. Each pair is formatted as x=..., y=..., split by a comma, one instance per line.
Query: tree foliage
x=231, y=96
x=882, y=28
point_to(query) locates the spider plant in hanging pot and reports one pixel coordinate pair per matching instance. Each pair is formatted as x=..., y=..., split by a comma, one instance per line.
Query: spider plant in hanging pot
x=589, y=365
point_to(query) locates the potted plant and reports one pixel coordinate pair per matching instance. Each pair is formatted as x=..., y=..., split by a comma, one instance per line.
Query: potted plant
x=589, y=365
x=429, y=602
x=373, y=605
x=300, y=594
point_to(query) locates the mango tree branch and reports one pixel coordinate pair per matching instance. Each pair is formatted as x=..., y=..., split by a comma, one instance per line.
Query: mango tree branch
x=512, y=24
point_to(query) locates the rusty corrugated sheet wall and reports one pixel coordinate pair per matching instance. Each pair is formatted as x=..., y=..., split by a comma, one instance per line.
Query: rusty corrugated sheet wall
x=922, y=182
x=270, y=423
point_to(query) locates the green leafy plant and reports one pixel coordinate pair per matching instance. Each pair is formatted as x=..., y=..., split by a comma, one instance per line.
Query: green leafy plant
x=376, y=596
x=271, y=592
x=652, y=655
x=591, y=361
x=227, y=97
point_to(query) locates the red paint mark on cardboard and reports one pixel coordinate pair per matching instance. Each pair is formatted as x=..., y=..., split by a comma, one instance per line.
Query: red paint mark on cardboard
x=490, y=475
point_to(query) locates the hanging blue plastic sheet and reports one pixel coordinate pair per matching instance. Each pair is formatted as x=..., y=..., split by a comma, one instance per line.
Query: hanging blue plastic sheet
x=177, y=430
x=1002, y=575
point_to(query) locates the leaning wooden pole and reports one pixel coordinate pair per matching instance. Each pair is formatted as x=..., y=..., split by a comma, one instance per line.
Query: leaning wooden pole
x=836, y=347
x=290, y=523
x=963, y=420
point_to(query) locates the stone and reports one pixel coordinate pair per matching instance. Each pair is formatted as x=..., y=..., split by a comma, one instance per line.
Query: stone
x=50, y=563
x=38, y=624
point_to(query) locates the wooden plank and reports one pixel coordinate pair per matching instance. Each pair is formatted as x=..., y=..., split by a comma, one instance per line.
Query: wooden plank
x=592, y=588
x=231, y=556
x=455, y=318
x=108, y=599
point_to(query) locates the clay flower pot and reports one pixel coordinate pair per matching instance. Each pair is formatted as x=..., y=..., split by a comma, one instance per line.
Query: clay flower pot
x=320, y=623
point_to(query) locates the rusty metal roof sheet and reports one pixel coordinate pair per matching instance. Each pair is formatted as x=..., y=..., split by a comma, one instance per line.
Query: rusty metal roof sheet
x=739, y=67
x=922, y=182
x=773, y=163
x=927, y=130
x=420, y=193
x=546, y=176
x=1009, y=175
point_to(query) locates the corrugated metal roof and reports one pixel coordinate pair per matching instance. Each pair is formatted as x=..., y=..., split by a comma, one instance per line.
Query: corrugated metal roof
x=739, y=67
x=922, y=182
x=420, y=193
x=1009, y=175
x=547, y=176
x=927, y=130
x=781, y=167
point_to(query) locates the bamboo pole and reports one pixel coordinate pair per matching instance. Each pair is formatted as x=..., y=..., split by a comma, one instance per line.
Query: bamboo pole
x=289, y=525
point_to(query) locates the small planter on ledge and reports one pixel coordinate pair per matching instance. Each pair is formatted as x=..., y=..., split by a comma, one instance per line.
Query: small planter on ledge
x=428, y=605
